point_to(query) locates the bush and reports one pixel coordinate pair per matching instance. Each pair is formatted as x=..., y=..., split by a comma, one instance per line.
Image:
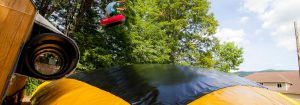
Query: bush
x=31, y=85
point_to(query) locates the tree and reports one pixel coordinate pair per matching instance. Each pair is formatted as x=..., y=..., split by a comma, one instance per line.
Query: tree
x=67, y=14
x=228, y=57
x=155, y=31
x=188, y=25
x=148, y=40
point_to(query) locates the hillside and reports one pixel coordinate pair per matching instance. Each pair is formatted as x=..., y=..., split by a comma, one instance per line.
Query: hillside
x=246, y=73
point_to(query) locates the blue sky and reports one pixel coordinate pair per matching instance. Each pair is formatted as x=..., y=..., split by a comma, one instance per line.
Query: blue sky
x=264, y=28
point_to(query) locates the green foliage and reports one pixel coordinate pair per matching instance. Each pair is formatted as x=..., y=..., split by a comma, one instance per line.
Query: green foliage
x=183, y=29
x=228, y=57
x=31, y=85
x=99, y=58
x=155, y=31
x=148, y=40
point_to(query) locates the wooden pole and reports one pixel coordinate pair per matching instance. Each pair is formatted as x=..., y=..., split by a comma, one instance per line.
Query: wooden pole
x=297, y=44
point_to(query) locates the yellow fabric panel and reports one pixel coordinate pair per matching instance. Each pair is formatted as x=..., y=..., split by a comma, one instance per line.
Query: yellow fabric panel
x=289, y=99
x=16, y=21
x=244, y=95
x=73, y=92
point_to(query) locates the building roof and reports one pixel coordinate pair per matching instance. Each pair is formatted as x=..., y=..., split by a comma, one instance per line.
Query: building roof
x=291, y=77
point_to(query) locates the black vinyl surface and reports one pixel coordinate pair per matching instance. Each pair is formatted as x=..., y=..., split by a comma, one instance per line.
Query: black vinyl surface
x=160, y=84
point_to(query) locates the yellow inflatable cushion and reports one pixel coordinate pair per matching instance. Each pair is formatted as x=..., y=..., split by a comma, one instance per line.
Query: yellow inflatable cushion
x=73, y=92
x=244, y=95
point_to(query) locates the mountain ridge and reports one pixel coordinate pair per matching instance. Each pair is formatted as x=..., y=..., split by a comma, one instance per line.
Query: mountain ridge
x=246, y=73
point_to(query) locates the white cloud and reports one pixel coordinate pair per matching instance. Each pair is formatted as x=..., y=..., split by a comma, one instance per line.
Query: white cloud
x=257, y=6
x=244, y=19
x=230, y=35
x=277, y=16
x=258, y=31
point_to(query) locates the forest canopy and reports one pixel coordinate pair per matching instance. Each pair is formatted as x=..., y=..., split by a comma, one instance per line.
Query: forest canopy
x=155, y=32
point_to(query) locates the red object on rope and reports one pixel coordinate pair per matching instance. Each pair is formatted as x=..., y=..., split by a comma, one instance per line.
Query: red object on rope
x=113, y=19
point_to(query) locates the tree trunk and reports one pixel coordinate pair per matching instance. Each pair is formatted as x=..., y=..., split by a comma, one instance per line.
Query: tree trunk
x=85, y=5
x=44, y=7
